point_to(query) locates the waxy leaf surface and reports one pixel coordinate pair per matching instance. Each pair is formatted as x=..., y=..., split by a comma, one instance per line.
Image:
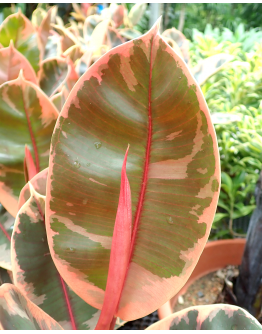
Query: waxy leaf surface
x=140, y=93
x=18, y=28
x=35, y=273
x=6, y=228
x=52, y=75
x=26, y=117
x=209, y=317
x=18, y=313
x=11, y=62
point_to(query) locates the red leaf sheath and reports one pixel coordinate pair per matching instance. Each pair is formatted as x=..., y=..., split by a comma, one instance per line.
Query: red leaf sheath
x=119, y=256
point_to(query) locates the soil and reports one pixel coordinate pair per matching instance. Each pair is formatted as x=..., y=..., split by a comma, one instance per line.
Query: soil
x=206, y=290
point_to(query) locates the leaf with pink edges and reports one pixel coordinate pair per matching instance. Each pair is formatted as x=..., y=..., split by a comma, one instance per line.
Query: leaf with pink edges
x=181, y=41
x=209, y=317
x=18, y=313
x=18, y=28
x=140, y=93
x=27, y=116
x=11, y=62
x=34, y=271
x=53, y=73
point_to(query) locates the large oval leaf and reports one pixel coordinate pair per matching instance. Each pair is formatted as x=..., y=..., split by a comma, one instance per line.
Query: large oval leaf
x=26, y=117
x=18, y=312
x=18, y=28
x=6, y=228
x=34, y=271
x=139, y=93
x=209, y=317
x=11, y=62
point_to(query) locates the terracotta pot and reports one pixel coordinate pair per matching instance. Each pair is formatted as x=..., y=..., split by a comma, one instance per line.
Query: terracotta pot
x=216, y=255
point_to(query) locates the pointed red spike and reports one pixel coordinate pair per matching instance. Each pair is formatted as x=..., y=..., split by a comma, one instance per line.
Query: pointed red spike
x=119, y=255
x=29, y=165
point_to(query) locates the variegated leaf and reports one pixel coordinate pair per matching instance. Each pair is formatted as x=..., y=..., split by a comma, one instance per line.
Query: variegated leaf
x=136, y=13
x=18, y=313
x=210, y=66
x=26, y=117
x=74, y=53
x=90, y=23
x=68, y=39
x=114, y=38
x=140, y=93
x=59, y=99
x=180, y=40
x=118, y=13
x=35, y=273
x=11, y=62
x=38, y=16
x=129, y=33
x=44, y=29
x=6, y=228
x=209, y=317
x=18, y=28
x=53, y=46
x=39, y=184
x=53, y=73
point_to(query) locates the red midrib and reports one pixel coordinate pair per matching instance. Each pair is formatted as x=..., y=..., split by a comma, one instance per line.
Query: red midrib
x=69, y=308
x=5, y=233
x=32, y=136
x=146, y=165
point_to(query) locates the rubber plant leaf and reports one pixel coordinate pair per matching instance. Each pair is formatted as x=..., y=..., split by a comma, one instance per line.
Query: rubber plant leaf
x=114, y=38
x=27, y=117
x=208, y=317
x=29, y=165
x=35, y=273
x=44, y=29
x=136, y=13
x=18, y=313
x=67, y=38
x=53, y=73
x=59, y=99
x=6, y=228
x=119, y=256
x=18, y=28
x=140, y=93
x=118, y=12
x=181, y=41
x=11, y=62
x=53, y=47
x=89, y=25
x=209, y=66
x=129, y=33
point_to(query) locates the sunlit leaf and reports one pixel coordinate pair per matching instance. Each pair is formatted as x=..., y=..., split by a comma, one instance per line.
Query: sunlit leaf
x=140, y=93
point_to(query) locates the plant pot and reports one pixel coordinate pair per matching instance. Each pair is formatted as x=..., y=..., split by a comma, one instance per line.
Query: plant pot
x=216, y=255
